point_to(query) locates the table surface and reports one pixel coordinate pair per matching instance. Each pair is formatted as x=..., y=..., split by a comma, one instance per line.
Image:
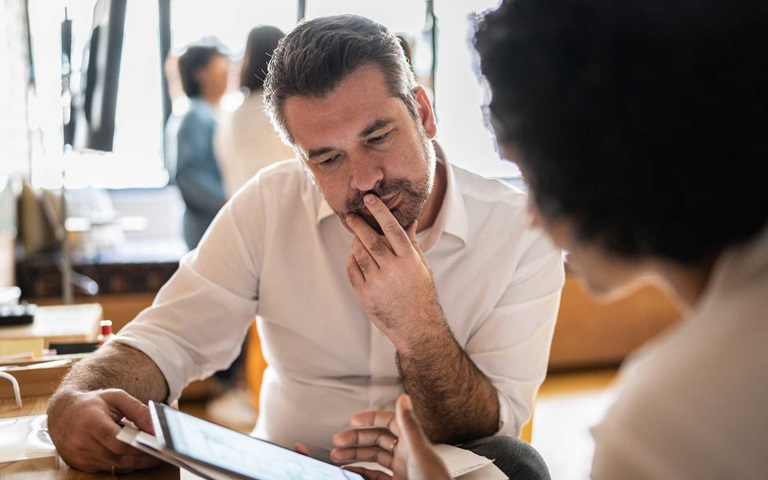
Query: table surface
x=53, y=468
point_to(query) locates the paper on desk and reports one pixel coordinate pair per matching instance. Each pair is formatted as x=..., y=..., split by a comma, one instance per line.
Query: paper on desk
x=461, y=464
x=23, y=438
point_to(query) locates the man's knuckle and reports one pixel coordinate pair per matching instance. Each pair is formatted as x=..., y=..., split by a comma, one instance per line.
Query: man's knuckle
x=379, y=247
x=365, y=265
x=392, y=227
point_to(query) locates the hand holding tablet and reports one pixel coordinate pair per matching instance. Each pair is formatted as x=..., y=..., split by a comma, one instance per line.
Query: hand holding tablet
x=215, y=452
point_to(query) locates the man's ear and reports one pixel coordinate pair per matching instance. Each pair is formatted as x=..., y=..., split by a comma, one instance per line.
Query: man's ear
x=426, y=114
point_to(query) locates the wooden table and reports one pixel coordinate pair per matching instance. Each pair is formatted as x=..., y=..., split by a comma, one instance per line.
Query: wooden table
x=53, y=468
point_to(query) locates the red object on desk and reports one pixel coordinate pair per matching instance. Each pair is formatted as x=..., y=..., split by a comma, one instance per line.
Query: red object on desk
x=106, y=332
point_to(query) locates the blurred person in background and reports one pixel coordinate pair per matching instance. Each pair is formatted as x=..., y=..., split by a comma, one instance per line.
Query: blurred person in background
x=245, y=141
x=204, y=70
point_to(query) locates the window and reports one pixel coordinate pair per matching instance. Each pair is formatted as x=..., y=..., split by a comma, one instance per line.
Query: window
x=462, y=131
x=137, y=160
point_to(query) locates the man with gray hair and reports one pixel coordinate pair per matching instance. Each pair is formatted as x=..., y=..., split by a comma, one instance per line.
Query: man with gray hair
x=374, y=267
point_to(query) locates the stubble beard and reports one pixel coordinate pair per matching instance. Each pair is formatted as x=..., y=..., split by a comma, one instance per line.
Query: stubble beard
x=413, y=194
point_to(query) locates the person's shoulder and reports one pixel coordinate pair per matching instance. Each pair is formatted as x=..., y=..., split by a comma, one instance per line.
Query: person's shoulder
x=283, y=186
x=280, y=174
x=197, y=116
x=478, y=188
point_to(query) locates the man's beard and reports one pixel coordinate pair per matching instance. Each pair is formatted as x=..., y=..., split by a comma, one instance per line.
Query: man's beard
x=412, y=198
x=412, y=195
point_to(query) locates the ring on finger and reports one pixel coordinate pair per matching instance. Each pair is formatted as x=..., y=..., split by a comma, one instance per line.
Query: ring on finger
x=392, y=447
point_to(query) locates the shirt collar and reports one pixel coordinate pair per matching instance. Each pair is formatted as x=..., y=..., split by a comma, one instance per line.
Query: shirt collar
x=452, y=217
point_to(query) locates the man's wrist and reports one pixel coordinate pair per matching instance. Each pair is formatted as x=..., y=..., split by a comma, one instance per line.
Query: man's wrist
x=426, y=337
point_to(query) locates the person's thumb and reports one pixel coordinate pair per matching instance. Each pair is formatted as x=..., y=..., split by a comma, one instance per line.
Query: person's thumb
x=131, y=408
x=408, y=423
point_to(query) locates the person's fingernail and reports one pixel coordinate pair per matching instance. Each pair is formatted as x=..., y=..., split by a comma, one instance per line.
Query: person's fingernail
x=370, y=199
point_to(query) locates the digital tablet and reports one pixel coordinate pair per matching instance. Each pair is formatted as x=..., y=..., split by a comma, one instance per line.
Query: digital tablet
x=233, y=453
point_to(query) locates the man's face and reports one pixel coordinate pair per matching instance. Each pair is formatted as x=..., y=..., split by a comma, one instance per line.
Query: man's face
x=359, y=140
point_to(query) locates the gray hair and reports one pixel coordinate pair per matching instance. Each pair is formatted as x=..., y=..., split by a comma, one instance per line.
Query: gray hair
x=316, y=56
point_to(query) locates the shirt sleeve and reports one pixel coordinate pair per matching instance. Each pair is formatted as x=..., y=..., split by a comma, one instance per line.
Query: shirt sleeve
x=200, y=317
x=512, y=345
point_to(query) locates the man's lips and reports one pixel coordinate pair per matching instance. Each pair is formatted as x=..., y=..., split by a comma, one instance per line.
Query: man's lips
x=389, y=201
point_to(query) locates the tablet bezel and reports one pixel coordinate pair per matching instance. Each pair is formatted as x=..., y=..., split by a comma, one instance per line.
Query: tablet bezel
x=164, y=437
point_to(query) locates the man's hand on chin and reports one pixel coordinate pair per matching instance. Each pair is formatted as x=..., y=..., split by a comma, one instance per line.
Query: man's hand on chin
x=392, y=277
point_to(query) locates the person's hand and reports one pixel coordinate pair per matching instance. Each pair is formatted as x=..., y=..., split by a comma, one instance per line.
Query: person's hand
x=299, y=447
x=392, y=277
x=84, y=426
x=400, y=445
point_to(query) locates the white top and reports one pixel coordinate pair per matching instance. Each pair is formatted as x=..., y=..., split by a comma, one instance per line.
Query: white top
x=278, y=250
x=245, y=142
x=692, y=404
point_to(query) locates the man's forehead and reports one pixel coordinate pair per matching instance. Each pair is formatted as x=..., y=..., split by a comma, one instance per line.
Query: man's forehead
x=362, y=84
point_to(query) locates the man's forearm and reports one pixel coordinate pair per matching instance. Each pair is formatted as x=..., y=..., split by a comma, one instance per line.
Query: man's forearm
x=118, y=366
x=454, y=400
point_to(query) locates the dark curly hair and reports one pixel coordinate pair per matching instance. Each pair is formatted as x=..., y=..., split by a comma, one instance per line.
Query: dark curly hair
x=643, y=121
x=316, y=56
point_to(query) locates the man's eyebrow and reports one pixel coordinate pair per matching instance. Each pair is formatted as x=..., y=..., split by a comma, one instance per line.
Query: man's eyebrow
x=377, y=124
x=316, y=152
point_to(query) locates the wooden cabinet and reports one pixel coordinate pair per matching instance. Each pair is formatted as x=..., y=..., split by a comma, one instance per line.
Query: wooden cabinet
x=593, y=333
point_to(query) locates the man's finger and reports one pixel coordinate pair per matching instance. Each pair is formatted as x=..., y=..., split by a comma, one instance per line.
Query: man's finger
x=124, y=405
x=354, y=274
x=139, y=461
x=363, y=257
x=365, y=437
x=377, y=246
x=368, y=474
x=362, y=454
x=383, y=419
x=394, y=233
x=105, y=429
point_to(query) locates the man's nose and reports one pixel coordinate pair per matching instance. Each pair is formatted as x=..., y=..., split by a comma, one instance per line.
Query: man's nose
x=365, y=174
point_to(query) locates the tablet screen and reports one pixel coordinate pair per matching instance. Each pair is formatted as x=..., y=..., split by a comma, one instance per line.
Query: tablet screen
x=220, y=447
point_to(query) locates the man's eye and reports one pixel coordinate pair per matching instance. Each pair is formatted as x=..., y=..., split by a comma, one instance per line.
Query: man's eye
x=380, y=138
x=329, y=161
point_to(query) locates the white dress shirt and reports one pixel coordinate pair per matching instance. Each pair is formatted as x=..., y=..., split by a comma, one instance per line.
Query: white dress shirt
x=277, y=250
x=692, y=403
